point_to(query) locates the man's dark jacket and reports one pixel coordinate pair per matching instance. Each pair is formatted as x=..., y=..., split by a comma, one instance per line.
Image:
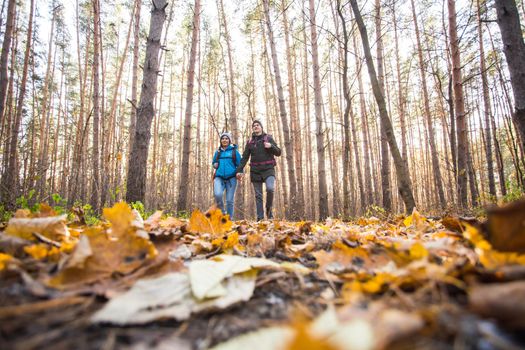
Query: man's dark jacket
x=262, y=162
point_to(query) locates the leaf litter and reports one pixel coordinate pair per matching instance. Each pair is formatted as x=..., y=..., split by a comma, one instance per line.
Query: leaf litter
x=207, y=282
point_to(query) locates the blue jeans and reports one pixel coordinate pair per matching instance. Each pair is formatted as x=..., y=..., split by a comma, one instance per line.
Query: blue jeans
x=219, y=186
x=270, y=188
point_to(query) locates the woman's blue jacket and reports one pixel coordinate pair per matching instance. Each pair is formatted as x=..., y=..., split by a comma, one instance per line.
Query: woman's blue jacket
x=226, y=169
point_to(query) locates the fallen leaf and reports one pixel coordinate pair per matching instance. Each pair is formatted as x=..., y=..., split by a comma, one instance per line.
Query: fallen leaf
x=153, y=222
x=170, y=296
x=122, y=252
x=506, y=227
x=502, y=301
x=213, y=221
x=53, y=227
x=4, y=260
x=273, y=338
x=206, y=275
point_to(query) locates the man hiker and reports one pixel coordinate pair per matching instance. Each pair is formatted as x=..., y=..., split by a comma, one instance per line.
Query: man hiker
x=262, y=149
x=225, y=160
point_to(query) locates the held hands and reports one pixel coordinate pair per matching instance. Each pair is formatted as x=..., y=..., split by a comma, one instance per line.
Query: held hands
x=267, y=145
x=239, y=176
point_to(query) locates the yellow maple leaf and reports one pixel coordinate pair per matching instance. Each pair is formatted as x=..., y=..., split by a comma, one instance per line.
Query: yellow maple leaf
x=102, y=256
x=120, y=216
x=213, y=221
x=231, y=241
x=418, y=251
x=416, y=220
x=42, y=251
x=489, y=257
x=368, y=284
x=4, y=260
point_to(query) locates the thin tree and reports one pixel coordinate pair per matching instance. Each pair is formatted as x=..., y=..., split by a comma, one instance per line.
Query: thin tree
x=438, y=182
x=318, y=101
x=487, y=110
x=138, y=158
x=95, y=183
x=6, y=45
x=514, y=49
x=134, y=73
x=182, y=201
x=403, y=178
x=385, y=157
x=294, y=117
x=459, y=106
x=10, y=183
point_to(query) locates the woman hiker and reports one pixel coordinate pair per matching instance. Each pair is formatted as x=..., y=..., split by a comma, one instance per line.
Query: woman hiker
x=262, y=149
x=225, y=160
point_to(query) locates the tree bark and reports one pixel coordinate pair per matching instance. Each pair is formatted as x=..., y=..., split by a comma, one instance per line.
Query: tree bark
x=459, y=106
x=323, y=191
x=403, y=178
x=138, y=159
x=385, y=157
x=134, y=76
x=514, y=49
x=438, y=182
x=346, y=121
x=6, y=45
x=182, y=201
x=294, y=118
x=10, y=184
x=487, y=110
x=95, y=184
x=291, y=207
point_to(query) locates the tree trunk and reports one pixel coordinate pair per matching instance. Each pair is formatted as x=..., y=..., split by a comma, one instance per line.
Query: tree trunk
x=233, y=101
x=6, y=45
x=401, y=94
x=403, y=178
x=459, y=106
x=138, y=159
x=10, y=182
x=438, y=182
x=323, y=191
x=291, y=207
x=294, y=118
x=346, y=121
x=385, y=157
x=487, y=110
x=134, y=74
x=514, y=49
x=182, y=201
x=95, y=184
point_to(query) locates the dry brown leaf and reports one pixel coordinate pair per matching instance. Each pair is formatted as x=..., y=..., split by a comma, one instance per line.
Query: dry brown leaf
x=122, y=252
x=52, y=227
x=153, y=222
x=506, y=227
x=503, y=301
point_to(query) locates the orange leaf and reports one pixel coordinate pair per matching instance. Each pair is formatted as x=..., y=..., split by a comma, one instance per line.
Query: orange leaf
x=213, y=221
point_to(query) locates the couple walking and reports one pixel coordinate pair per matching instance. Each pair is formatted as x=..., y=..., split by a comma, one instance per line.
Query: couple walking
x=229, y=165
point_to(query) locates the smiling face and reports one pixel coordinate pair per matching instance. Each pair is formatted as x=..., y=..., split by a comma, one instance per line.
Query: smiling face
x=257, y=128
x=225, y=141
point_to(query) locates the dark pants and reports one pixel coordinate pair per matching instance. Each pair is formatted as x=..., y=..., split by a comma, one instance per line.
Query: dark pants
x=258, y=188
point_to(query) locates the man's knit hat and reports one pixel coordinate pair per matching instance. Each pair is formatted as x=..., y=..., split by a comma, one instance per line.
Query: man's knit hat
x=256, y=121
x=228, y=135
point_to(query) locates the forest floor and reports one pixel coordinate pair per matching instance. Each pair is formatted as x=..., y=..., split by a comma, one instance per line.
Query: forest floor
x=400, y=282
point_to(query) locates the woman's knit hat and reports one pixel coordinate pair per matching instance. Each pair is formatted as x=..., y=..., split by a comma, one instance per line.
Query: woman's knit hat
x=228, y=135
